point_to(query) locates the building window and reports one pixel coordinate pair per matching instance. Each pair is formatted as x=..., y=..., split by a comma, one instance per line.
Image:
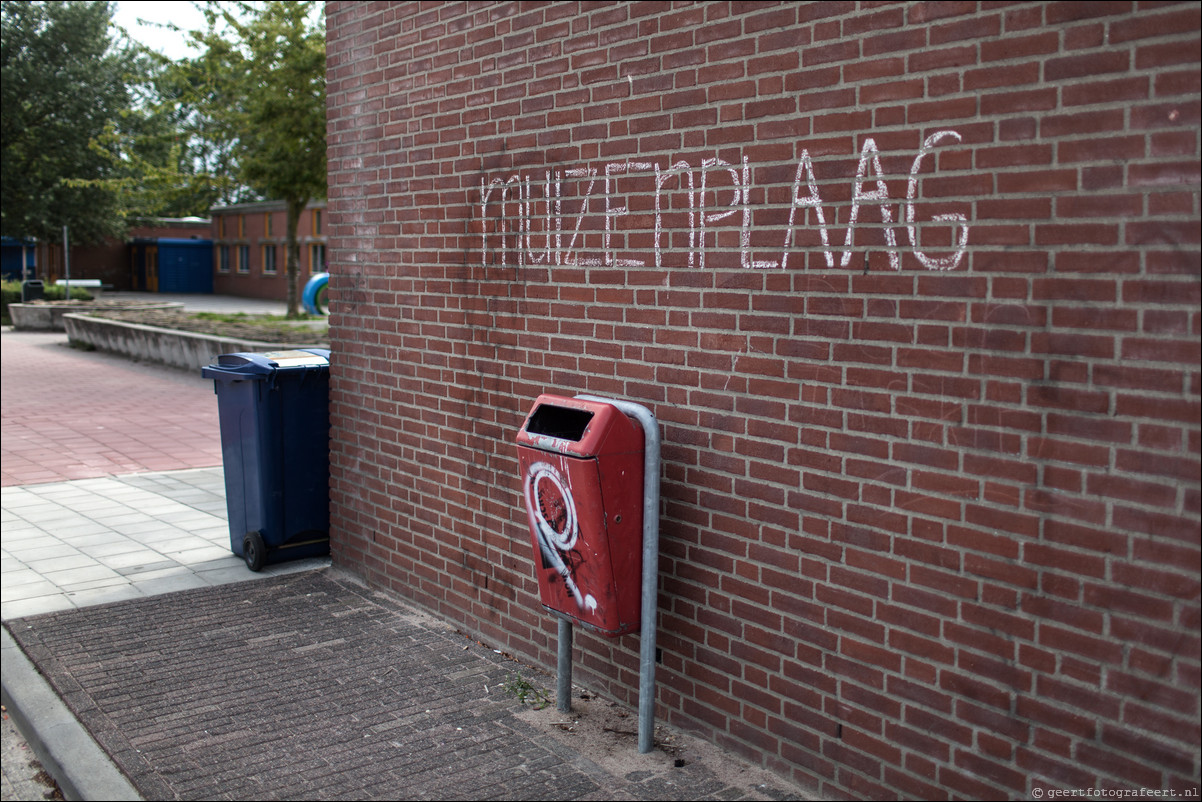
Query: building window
x=241, y=226
x=243, y=258
x=269, y=266
x=223, y=258
x=317, y=222
x=221, y=225
x=267, y=217
x=317, y=258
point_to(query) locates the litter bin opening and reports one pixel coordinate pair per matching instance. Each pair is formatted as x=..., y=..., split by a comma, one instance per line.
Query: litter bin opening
x=32, y=290
x=564, y=423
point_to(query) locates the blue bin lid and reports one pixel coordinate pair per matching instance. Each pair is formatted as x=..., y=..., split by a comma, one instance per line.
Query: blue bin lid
x=243, y=366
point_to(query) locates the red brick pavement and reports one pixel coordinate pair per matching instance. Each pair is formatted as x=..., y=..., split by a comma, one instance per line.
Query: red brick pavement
x=71, y=414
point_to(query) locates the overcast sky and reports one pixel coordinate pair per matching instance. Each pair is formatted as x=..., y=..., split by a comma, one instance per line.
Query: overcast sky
x=179, y=12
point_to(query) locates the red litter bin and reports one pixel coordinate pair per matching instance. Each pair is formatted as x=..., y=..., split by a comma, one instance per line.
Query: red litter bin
x=582, y=481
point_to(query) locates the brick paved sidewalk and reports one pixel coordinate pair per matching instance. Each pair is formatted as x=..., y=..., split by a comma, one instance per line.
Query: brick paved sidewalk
x=70, y=414
x=312, y=686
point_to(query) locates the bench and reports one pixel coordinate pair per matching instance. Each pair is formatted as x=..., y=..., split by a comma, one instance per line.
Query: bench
x=94, y=285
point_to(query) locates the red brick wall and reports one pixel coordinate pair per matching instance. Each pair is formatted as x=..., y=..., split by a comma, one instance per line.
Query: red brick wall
x=913, y=290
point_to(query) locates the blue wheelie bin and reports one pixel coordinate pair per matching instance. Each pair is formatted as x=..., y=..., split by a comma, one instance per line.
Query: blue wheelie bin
x=275, y=444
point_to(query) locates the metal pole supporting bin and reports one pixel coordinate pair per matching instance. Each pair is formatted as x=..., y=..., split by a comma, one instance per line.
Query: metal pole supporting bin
x=275, y=442
x=590, y=479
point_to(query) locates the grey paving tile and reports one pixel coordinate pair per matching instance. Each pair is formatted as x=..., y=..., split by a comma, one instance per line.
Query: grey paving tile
x=15, y=503
x=122, y=520
x=75, y=576
x=102, y=582
x=41, y=550
x=35, y=588
x=112, y=538
x=227, y=559
x=140, y=560
x=195, y=519
x=81, y=541
x=103, y=505
x=178, y=546
x=67, y=497
x=20, y=608
x=166, y=568
x=169, y=584
x=18, y=544
x=198, y=555
x=62, y=562
x=146, y=531
x=219, y=534
x=191, y=527
x=112, y=548
x=104, y=595
x=19, y=528
x=297, y=566
x=192, y=495
x=129, y=496
x=10, y=564
x=235, y=571
x=83, y=529
x=51, y=516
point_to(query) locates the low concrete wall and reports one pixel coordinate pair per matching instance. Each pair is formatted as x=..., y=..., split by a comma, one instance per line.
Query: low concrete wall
x=49, y=316
x=182, y=349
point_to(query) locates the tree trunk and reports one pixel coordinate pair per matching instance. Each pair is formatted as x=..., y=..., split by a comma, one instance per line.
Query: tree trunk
x=292, y=257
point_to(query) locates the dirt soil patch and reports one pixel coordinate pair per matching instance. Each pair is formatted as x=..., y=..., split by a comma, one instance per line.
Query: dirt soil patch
x=243, y=327
x=607, y=734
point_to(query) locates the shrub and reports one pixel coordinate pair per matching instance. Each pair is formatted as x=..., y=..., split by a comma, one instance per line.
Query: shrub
x=54, y=293
x=10, y=293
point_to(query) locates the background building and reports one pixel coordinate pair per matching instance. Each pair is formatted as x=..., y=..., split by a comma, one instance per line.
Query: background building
x=239, y=250
x=118, y=264
x=249, y=253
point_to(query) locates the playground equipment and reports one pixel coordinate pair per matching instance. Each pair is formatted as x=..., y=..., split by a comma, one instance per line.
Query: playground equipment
x=314, y=298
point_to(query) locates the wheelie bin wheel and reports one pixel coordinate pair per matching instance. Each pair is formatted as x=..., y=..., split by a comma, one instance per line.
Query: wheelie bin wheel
x=254, y=551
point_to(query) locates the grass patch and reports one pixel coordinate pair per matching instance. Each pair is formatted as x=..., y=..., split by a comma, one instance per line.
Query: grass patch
x=526, y=692
x=246, y=317
x=263, y=328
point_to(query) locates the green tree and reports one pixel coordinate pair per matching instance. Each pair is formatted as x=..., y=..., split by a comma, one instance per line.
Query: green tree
x=63, y=82
x=167, y=158
x=261, y=81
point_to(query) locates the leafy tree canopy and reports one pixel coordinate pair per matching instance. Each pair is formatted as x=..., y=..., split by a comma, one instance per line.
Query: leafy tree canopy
x=63, y=82
x=260, y=83
x=274, y=98
x=98, y=132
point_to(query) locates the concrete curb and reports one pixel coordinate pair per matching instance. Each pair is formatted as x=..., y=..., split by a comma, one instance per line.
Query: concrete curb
x=181, y=349
x=61, y=743
x=49, y=317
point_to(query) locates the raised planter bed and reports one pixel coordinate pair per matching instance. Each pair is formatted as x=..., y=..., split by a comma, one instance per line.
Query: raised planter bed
x=48, y=315
x=182, y=349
